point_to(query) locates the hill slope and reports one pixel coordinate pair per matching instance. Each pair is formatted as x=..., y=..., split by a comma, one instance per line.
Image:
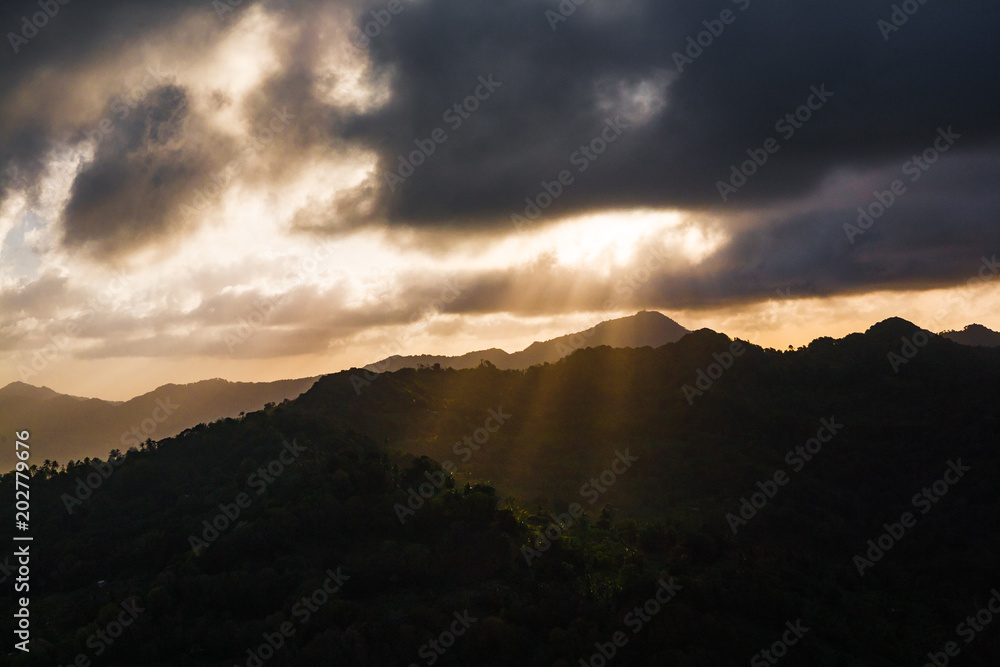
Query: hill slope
x=974, y=334
x=644, y=329
x=569, y=417
x=848, y=487
x=68, y=427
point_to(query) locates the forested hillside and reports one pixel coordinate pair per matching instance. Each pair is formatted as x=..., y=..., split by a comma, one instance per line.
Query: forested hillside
x=708, y=500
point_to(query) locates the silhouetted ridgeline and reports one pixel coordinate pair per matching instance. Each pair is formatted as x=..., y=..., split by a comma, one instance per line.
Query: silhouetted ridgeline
x=75, y=428
x=849, y=487
x=68, y=427
x=974, y=334
x=644, y=329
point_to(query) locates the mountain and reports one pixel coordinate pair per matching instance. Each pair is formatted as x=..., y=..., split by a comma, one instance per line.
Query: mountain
x=75, y=428
x=690, y=504
x=69, y=427
x=570, y=415
x=974, y=334
x=644, y=329
x=22, y=390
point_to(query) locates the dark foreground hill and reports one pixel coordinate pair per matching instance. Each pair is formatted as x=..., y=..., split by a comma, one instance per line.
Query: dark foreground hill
x=835, y=505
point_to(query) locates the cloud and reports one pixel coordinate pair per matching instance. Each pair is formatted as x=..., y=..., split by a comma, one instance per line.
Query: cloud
x=887, y=99
x=45, y=81
x=130, y=194
x=39, y=298
x=271, y=122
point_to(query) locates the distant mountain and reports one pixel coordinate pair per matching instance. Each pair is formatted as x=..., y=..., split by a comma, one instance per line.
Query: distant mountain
x=23, y=390
x=739, y=489
x=974, y=334
x=68, y=427
x=644, y=329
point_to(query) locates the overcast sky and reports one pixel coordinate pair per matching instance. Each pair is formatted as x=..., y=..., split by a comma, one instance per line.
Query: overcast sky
x=280, y=189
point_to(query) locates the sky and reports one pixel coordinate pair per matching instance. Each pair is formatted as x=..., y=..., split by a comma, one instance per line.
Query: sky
x=275, y=189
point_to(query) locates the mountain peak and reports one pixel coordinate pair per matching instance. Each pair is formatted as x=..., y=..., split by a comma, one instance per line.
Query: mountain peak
x=892, y=322
x=894, y=326
x=974, y=334
x=647, y=328
x=25, y=390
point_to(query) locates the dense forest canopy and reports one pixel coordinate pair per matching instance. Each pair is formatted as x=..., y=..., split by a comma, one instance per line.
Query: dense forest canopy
x=685, y=505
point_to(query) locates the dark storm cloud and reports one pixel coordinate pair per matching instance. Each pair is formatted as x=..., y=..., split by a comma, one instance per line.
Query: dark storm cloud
x=938, y=69
x=941, y=232
x=142, y=172
x=555, y=91
x=77, y=32
x=889, y=98
x=151, y=151
x=156, y=156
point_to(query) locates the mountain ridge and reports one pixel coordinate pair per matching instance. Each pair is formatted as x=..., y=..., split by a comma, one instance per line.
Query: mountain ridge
x=71, y=427
x=974, y=334
x=644, y=329
x=76, y=427
x=443, y=489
